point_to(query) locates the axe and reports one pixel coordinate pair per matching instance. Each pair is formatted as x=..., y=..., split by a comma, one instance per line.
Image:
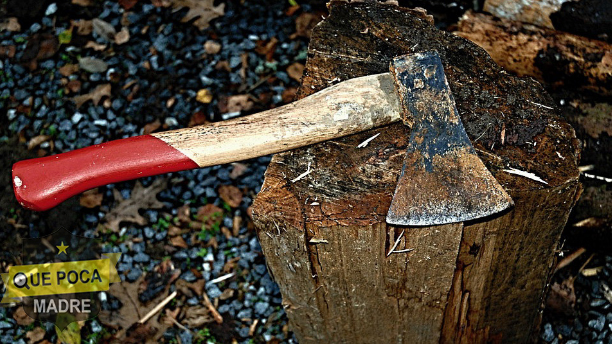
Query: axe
x=442, y=179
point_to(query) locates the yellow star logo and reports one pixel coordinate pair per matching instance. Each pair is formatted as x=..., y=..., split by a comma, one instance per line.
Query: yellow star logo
x=62, y=249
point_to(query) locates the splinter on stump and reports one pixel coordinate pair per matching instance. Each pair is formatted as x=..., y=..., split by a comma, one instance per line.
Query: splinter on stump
x=348, y=276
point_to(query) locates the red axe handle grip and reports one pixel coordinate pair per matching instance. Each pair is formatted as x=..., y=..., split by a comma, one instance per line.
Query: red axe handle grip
x=346, y=108
x=41, y=184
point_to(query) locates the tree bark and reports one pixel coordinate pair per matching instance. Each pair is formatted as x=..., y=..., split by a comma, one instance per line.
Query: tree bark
x=347, y=276
x=554, y=57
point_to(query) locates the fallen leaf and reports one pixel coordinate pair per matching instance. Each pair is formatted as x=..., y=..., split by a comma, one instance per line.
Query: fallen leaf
x=209, y=213
x=212, y=47
x=139, y=333
x=128, y=4
x=197, y=316
x=227, y=294
x=40, y=46
x=83, y=3
x=230, y=265
x=69, y=69
x=231, y=195
x=70, y=335
x=74, y=86
x=94, y=96
x=288, y=94
x=91, y=198
x=197, y=118
x=10, y=24
x=7, y=51
x=203, y=10
x=267, y=49
x=37, y=140
x=184, y=213
x=95, y=46
x=305, y=22
x=21, y=317
x=36, y=335
x=238, y=170
x=132, y=309
x=93, y=65
x=178, y=241
x=122, y=36
x=204, y=96
x=238, y=103
x=104, y=29
x=161, y=3
x=84, y=27
x=562, y=298
x=295, y=71
x=197, y=286
x=126, y=210
x=151, y=127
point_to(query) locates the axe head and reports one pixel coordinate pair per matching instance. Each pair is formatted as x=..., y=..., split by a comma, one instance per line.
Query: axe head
x=443, y=180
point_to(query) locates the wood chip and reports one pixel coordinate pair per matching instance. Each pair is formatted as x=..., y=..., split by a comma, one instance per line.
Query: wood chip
x=37, y=141
x=69, y=69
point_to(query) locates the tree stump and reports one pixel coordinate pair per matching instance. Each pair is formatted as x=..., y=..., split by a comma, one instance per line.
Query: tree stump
x=320, y=215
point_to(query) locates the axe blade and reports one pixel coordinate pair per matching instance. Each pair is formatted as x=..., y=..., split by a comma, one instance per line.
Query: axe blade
x=443, y=180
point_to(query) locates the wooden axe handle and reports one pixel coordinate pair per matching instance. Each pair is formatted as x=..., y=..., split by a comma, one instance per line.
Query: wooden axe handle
x=346, y=108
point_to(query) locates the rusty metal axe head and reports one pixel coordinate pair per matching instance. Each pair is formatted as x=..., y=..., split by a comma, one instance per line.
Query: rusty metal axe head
x=443, y=180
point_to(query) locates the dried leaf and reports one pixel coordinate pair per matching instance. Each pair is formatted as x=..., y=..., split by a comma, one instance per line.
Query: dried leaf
x=84, y=27
x=295, y=71
x=128, y=4
x=69, y=69
x=184, y=213
x=231, y=195
x=93, y=65
x=126, y=210
x=212, y=47
x=37, y=140
x=204, y=10
x=104, y=29
x=132, y=309
x=36, y=335
x=561, y=298
x=151, y=127
x=73, y=86
x=197, y=118
x=91, y=198
x=21, y=317
x=10, y=24
x=204, y=96
x=227, y=294
x=305, y=22
x=161, y=3
x=40, y=46
x=238, y=170
x=197, y=286
x=238, y=103
x=197, y=316
x=122, y=36
x=267, y=49
x=178, y=241
x=95, y=46
x=7, y=51
x=208, y=212
x=83, y=3
x=94, y=96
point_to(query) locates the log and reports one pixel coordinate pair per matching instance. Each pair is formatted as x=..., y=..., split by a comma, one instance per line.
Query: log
x=347, y=276
x=557, y=58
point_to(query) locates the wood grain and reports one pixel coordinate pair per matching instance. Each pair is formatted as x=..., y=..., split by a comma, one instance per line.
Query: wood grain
x=325, y=237
x=346, y=108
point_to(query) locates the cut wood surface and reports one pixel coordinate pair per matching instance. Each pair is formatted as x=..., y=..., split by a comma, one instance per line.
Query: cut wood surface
x=555, y=57
x=348, y=277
